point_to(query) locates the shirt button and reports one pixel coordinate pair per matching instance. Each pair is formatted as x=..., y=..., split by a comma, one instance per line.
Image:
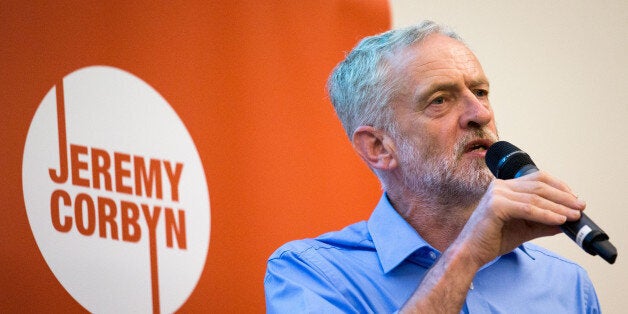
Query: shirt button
x=432, y=255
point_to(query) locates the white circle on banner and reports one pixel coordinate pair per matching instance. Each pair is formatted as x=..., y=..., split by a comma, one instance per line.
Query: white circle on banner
x=127, y=228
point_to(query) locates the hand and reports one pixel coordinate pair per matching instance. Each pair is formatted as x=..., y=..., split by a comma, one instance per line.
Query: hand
x=515, y=211
x=510, y=212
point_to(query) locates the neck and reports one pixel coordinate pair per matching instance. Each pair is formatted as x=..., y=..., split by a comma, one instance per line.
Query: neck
x=438, y=221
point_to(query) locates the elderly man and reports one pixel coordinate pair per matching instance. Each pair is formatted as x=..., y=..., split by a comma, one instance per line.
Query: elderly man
x=446, y=236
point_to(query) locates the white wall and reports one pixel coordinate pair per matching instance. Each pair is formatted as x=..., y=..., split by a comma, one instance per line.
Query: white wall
x=560, y=92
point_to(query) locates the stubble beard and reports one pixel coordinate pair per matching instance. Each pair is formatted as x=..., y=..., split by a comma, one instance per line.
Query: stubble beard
x=445, y=180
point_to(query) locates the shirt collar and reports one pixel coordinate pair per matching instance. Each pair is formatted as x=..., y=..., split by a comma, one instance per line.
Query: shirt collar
x=522, y=247
x=395, y=239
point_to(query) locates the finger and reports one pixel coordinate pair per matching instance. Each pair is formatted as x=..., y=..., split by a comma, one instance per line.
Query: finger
x=547, y=192
x=535, y=230
x=530, y=212
x=509, y=205
x=550, y=180
x=543, y=203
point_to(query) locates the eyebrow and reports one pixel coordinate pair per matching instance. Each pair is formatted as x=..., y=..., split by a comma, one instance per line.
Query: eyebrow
x=478, y=82
x=421, y=95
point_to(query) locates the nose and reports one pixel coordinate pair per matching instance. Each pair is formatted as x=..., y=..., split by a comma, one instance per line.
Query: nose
x=477, y=111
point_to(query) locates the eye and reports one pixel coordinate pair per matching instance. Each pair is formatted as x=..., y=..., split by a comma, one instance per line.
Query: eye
x=481, y=93
x=438, y=100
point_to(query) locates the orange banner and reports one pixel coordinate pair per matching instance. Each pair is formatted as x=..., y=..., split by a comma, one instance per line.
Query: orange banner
x=154, y=155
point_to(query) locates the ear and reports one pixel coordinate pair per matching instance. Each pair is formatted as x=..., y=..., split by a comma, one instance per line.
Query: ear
x=375, y=147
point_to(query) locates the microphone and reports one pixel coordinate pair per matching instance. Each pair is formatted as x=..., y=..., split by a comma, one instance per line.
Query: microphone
x=506, y=161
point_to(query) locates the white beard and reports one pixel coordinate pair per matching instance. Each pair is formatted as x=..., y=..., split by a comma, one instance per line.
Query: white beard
x=444, y=179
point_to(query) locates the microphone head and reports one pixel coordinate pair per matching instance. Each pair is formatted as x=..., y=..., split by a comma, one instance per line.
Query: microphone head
x=505, y=160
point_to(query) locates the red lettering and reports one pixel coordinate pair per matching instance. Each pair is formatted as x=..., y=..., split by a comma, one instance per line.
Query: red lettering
x=107, y=212
x=87, y=213
x=131, y=174
x=151, y=180
x=174, y=178
x=121, y=173
x=62, y=175
x=78, y=165
x=55, y=215
x=151, y=220
x=173, y=228
x=100, y=168
x=131, y=231
x=81, y=203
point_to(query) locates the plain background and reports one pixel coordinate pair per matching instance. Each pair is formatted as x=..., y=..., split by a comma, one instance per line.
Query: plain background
x=559, y=90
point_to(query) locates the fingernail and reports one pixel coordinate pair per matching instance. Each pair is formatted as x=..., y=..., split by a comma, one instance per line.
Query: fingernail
x=582, y=203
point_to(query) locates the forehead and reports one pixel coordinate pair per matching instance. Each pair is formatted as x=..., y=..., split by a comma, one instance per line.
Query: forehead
x=437, y=55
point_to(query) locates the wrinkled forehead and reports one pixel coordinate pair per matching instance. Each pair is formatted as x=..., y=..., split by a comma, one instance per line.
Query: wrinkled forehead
x=435, y=51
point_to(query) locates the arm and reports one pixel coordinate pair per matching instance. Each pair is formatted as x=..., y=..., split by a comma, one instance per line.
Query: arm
x=510, y=213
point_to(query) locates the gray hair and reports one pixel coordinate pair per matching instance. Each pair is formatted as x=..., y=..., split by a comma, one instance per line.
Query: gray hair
x=361, y=86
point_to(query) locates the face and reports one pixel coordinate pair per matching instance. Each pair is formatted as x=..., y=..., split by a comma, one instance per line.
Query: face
x=444, y=120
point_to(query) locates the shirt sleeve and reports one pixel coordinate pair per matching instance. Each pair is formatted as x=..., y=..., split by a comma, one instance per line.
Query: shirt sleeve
x=591, y=302
x=297, y=283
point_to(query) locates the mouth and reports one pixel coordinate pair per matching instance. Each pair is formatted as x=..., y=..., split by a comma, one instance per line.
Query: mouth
x=478, y=146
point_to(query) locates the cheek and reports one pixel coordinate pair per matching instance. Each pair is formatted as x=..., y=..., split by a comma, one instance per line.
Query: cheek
x=447, y=138
x=492, y=127
x=434, y=138
x=436, y=144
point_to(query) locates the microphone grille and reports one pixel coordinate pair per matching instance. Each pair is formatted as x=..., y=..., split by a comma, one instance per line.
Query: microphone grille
x=505, y=160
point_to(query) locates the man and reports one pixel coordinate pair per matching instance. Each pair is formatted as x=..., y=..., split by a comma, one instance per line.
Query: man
x=446, y=236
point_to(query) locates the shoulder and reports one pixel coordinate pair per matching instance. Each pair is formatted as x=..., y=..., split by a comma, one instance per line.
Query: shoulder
x=556, y=271
x=540, y=253
x=550, y=264
x=353, y=237
x=318, y=271
x=327, y=258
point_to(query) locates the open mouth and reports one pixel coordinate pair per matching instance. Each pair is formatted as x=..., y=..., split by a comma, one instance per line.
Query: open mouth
x=478, y=146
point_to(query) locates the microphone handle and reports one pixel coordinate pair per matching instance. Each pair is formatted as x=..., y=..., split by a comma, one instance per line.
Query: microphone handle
x=589, y=236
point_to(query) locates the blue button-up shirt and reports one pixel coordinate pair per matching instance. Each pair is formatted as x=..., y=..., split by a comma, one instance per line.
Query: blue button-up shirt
x=375, y=266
